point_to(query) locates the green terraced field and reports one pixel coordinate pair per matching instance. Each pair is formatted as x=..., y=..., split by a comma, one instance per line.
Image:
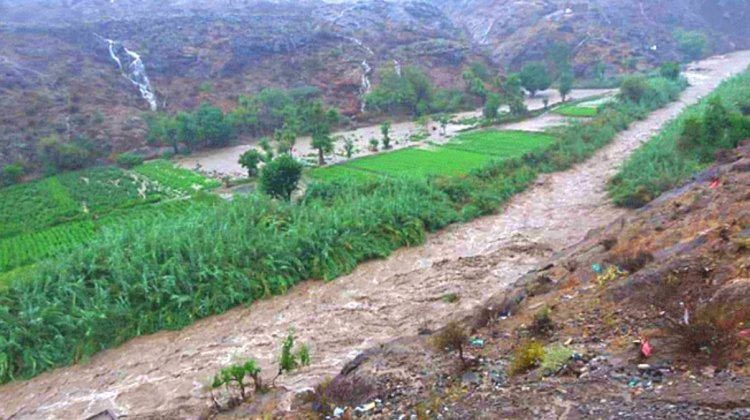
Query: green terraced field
x=502, y=144
x=174, y=177
x=421, y=163
x=577, y=111
x=42, y=218
x=334, y=172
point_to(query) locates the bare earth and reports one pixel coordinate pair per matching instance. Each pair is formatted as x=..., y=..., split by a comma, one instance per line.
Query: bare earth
x=161, y=375
x=224, y=162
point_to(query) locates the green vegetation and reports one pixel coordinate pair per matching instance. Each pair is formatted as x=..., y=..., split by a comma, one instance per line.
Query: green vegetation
x=280, y=177
x=685, y=146
x=535, y=77
x=250, y=161
x=11, y=174
x=413, y=93
x=692, y=44
x=577, y=111
x=171, y=176
x=555, y=358
x=421, y=163
x=162, y=276
x=42, y=218
x=502, y=144
x=128, y=160
x=526, y=357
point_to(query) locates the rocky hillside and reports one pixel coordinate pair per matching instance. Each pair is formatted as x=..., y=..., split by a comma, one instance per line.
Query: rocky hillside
x=646, y=318
x=62, y=75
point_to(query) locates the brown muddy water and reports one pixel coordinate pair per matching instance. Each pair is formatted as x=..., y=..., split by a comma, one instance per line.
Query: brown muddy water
x=162, y=375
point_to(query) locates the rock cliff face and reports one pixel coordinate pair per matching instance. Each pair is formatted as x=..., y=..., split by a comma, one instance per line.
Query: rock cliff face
x=60, y=77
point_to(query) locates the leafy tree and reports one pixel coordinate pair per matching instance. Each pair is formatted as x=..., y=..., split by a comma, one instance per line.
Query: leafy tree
x=213, y=129
x=285, y=138
x=12, y=174
x=443, y=120
x=250, y=161
x=280, y=177
x=59, y=156
x=324, y=144
x=374, y=143
x=535, y=77
x=600, y=71
x=162, y=129
x=491, y=106
x=633, y=88
x=412, y=92
x=692, y=44
x=265, y=144
x=385, y=129
x=186, y=130
x=474, y=84
x=670, y=70
x=348, y=148
x=245, y=117
x=565, y=84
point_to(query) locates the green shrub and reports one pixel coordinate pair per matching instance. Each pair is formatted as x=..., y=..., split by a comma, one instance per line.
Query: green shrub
x=555, y=358
x=670, y=70
x=633, y=88
x=11, y=174
x=527, y=357
x=128, y=160
x=57, y=156
x=685, y=145
x=692, y=44
x=280, y=177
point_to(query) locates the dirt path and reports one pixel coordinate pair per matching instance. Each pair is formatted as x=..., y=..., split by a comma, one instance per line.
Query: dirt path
x=381, y=300
x=222, y=162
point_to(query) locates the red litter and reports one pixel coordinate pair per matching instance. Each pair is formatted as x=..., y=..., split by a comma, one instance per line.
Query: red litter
x=745, y=333
x=646, y=349
x=716, y=184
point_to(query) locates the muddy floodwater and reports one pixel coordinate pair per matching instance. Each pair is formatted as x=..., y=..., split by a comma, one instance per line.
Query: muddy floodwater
x=224, y=161
x=381, y=300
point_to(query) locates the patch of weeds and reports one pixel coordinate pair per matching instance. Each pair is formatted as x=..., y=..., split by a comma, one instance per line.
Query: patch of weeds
x=527, y=357
x=232, y=379
x=543, y=324
x=555, y=359
x=609, y=275
x=452, y=338
x=451, y=298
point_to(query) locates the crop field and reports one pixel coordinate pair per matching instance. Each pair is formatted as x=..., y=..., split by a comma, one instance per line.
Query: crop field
x=503, y=144
x=421, y=162
x=335, y=172
x=577, y=111
x=170, y=176
x=462, y=154
x=56, y=214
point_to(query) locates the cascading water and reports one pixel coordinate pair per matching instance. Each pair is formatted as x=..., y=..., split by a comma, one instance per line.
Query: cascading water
x=397, y=67
x=366, y=84
x=135, y=71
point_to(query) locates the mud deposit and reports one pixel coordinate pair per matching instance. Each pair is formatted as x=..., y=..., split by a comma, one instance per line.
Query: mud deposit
x=161, y=375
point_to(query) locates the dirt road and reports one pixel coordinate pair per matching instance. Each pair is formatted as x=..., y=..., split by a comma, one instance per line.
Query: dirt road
x=162, y=374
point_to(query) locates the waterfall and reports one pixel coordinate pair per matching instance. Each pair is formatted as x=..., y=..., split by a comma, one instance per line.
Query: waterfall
x=135, y=71
x=397, y=67
x=366, y=84
x=138, y=76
